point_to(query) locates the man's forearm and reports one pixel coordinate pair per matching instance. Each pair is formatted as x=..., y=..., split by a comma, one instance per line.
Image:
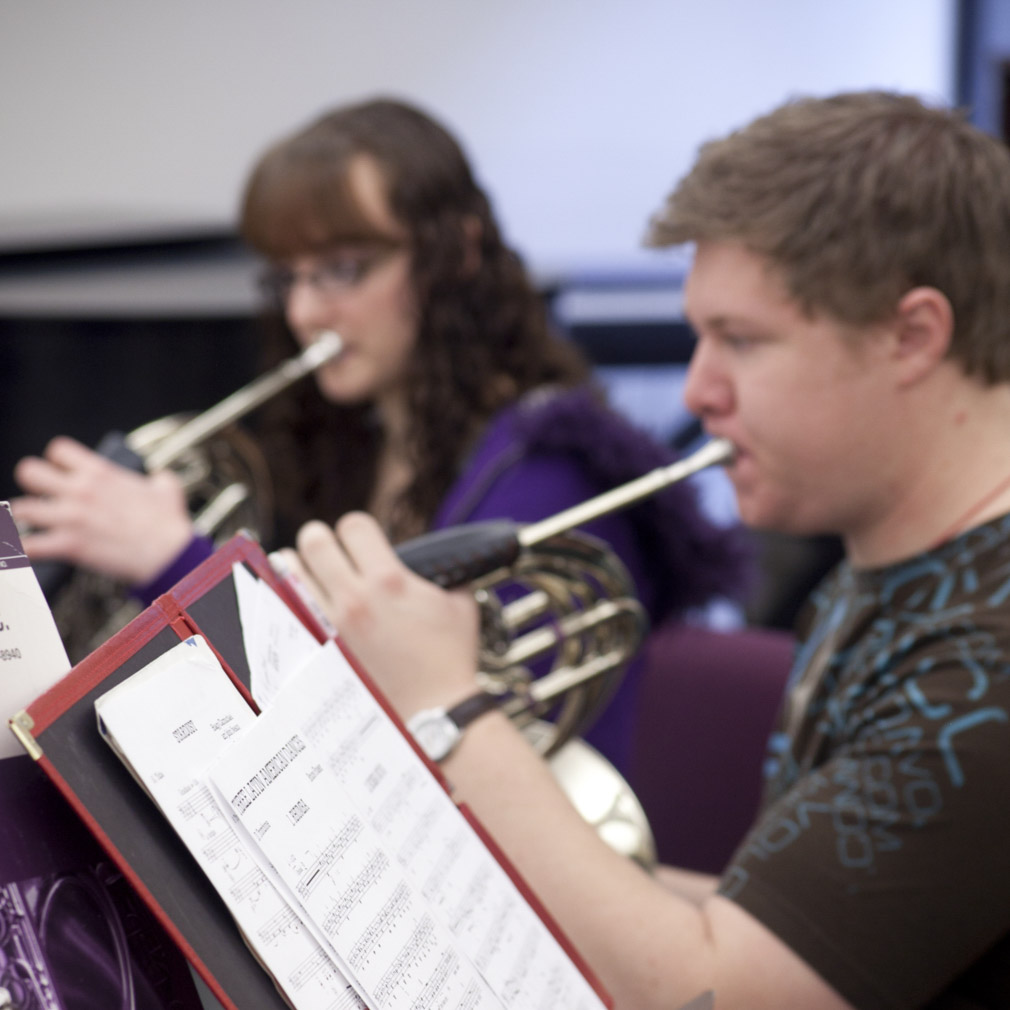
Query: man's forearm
x=648, y=946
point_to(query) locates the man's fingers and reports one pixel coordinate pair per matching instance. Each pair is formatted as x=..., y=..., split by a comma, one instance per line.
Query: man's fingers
x=352, y=568
x=288, y=566
x=285, y=561
x=324, y=564
x=352, y=548
x=366, y=545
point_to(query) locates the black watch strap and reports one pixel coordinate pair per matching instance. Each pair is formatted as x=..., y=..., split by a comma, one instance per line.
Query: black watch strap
x=438, y=731
x=464, y=713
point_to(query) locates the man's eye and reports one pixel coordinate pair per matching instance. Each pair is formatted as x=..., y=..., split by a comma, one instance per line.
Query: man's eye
x=737, y=341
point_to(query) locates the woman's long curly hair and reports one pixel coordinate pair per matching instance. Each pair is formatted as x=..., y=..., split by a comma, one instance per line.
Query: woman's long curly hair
x=483, y=336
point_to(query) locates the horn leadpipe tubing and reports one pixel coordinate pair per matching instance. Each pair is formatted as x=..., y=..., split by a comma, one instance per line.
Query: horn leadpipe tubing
x=232, y=407
x=124, y=450
x=459, y=554
x=717, y=451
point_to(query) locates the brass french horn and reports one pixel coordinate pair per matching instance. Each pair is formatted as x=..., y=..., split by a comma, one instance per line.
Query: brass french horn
x=224, y=475
x=578, y=617
x=579, y=607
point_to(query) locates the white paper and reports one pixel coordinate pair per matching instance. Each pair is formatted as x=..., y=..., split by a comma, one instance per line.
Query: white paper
x=32, y=656
x=311, y=831
x=170, y=720
x=276, y=641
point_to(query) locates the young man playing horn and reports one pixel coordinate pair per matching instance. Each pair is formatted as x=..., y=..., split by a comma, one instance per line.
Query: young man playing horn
x=850, y=293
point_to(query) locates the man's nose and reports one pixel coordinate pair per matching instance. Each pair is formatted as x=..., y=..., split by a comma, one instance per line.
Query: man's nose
x=707, y=390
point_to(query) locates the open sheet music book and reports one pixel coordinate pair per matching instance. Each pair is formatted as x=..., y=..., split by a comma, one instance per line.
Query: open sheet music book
x=334, y=844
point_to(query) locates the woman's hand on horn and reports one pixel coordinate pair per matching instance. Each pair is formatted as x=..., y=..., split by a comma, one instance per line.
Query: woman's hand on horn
x=85, y=509
x=416, y=640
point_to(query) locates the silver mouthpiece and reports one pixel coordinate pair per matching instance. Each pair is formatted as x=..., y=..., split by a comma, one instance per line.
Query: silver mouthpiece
x=325, y=348
x=716, y=452
x=210, y=422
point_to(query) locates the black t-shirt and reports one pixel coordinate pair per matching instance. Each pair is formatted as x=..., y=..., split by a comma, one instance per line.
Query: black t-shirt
x=882, y=853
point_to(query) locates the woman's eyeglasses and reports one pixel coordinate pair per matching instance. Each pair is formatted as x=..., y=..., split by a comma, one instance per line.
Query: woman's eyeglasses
x=331, y=276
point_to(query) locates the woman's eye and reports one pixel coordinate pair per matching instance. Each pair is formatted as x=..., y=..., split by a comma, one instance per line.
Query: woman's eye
x=347, y=270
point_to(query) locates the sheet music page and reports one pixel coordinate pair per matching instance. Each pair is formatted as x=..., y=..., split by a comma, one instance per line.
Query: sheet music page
x=169, y=721
x=32, y=656
x=400, y=814
x=310, y=830
x=276, y=641
x=440, y=850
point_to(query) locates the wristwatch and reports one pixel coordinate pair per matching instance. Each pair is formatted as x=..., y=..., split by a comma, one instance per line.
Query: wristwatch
x=438, y=730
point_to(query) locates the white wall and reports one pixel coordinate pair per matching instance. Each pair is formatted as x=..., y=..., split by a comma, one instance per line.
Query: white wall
x=579, y=114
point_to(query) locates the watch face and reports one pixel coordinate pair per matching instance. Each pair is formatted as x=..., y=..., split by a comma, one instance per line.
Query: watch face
x=436, y=733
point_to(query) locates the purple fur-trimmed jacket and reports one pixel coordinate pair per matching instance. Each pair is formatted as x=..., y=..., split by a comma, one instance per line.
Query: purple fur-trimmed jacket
x=555, y=449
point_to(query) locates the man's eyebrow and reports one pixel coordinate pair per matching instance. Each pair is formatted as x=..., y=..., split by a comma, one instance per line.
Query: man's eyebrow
x=719, y=322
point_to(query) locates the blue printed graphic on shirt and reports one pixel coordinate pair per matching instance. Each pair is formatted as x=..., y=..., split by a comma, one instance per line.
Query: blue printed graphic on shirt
x=911, y=659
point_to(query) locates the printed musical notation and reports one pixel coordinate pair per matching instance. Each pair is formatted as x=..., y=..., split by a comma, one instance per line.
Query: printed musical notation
x=372, y=773
x=439, y=851
x=376, y=924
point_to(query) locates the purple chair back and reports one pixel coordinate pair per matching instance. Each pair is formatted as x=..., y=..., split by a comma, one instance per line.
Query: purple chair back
x=707, y=702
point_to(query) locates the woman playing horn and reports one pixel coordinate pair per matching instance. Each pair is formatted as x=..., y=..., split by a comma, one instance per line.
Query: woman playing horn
x=450, y=402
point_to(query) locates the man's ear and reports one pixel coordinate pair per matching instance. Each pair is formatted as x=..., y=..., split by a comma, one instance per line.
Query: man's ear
x=923, y=327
